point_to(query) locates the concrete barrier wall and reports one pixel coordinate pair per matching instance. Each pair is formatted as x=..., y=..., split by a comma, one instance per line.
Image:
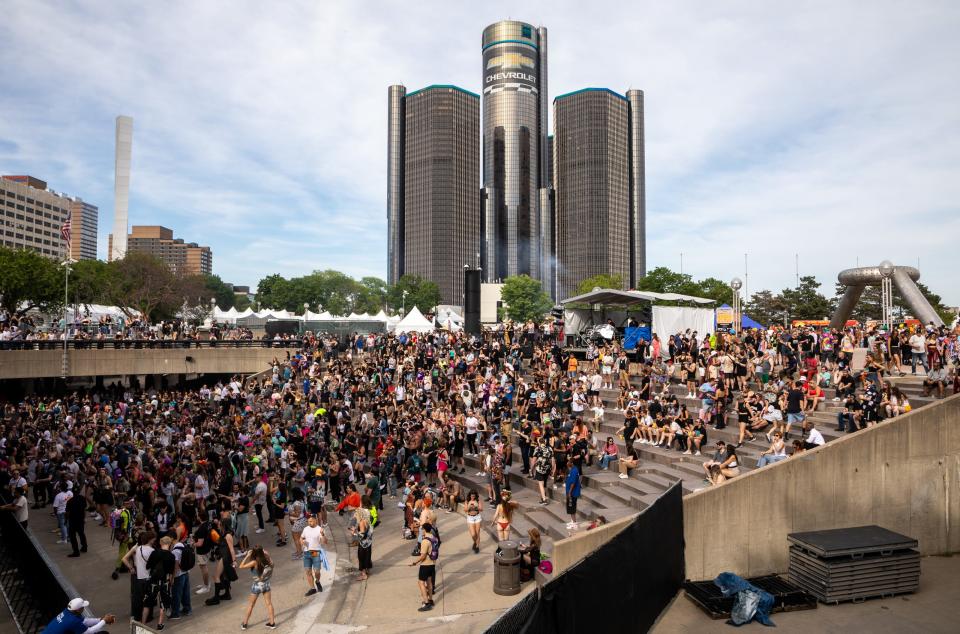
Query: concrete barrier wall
x=569, y=551
x=903, y=474
x=27, y=364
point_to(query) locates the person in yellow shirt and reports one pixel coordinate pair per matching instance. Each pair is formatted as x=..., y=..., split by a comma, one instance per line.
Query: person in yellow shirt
x=572, y=364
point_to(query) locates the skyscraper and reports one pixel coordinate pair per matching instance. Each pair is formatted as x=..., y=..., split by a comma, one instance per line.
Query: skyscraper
x=121, y=188
x=598, y=136
x=515, y=151
x=433, y=171
x=83, y=221
x=183, y=258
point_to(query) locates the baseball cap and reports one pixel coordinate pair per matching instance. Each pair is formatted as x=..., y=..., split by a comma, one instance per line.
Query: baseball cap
x=77, y=604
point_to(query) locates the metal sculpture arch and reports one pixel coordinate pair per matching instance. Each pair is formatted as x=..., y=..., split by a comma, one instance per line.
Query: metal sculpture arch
x=903, y=277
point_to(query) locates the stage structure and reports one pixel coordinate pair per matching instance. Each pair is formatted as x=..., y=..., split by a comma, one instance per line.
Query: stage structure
x=903, y=277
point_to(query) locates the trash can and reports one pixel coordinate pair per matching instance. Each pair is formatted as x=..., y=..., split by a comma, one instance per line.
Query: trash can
x=506, y=568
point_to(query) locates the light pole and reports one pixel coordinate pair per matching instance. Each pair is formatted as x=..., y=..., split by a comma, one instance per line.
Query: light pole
x=306, y=307
x=886, y=294
x=404, y=309
x=65, y=361
x=736, y=284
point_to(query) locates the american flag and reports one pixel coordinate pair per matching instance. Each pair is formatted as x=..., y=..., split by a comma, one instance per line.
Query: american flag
x=65, y=232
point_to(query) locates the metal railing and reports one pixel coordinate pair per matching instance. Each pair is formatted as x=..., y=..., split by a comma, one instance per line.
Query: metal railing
x=148, y=344
x=32, y=585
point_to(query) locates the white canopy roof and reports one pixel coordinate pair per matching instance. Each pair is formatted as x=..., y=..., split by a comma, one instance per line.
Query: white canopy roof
x=414, y=322
x=615, y=297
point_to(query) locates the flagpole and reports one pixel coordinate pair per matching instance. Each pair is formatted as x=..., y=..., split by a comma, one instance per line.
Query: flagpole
x=65, y=235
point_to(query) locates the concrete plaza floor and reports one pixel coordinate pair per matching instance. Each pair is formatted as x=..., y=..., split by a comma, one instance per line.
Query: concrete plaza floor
x=932, y=609
x=386, y=603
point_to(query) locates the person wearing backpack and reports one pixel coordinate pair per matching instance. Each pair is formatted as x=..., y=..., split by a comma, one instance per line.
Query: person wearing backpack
x=136, y=561
x=161, y=565
x=186, y=559
x=427, y=559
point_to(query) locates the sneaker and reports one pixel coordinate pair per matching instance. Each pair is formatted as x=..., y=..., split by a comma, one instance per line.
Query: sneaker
x=259, y=530
x=243, y=626
x=696, y=453
x=203, y=590
x=687, y=452
x=573, y=526
x=623, y=476
x=310, y=592
x=426, y=607
x=544, y=502
x=160, y=627
x=271, y=626
x=97, y=517
x=61, y=541
x=836, y=399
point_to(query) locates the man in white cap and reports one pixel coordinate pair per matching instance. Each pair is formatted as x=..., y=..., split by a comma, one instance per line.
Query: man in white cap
x=71, y=620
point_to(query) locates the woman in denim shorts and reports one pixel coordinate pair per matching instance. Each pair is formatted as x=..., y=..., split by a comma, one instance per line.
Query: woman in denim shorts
x=258, y=561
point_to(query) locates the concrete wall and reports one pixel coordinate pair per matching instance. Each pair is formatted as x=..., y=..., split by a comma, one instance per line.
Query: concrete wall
x=569, y=551
x=25, y=364
x=903, y=475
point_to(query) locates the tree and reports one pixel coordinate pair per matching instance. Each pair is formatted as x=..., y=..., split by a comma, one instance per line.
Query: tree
x=663, y=280
x=273, y=291
x=422, y=293
x=145, y=283
x=372, y=295
x=806, y=302
x=524, y=298
x=714, y=289
x=220, y=290
x=29, y=280
x=767, y=308
x=90, y=281
x=600, y=281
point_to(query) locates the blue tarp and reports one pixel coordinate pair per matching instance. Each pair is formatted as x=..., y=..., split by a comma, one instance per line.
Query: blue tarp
x=632, y=335
x=746, y=322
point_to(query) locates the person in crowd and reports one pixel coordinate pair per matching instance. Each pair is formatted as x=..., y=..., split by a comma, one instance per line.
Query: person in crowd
x=473, y=508
x=427, y=558
x=936, y=380
x=258, y=561
x=629, y=461
x=530, y=554
x=72, y=621
x=775, y=453
x=312, y=540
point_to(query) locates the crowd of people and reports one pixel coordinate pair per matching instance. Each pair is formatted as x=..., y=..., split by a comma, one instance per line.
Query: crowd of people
x=180, y=479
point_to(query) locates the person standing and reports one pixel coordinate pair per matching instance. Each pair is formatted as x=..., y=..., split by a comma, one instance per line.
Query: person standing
x=180, y=593
x=427, y=559
x=259, y=501
x=572, y=485
x=19, y=506
x=364, y=535
x=63, y=496
x=76, y=518
x=160, y=565
x=312, y=539
x=136, y=561
x=259, y=563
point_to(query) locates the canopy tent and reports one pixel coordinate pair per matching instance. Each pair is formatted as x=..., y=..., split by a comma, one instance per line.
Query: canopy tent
x=414, y=322
x=746, y=322
x=669, y=320
x=246, y=312
x=613, y=297
x=96, y=311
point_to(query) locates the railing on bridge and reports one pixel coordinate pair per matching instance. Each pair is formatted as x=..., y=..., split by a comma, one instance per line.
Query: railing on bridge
x=33, y=587
x=148, y=344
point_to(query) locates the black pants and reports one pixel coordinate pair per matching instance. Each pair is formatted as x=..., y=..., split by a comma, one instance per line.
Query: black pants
x=472, y=443
x=259, y=509
x=75, y=530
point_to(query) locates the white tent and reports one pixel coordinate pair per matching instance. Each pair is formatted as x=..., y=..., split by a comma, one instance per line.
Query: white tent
x=381, y=316
x=414, y=322
x=246, y=312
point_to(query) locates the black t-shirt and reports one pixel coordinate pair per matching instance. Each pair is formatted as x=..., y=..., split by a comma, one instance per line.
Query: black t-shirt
x=203, y=532
x=160, y=564
x=243, y=504
x=794, y=398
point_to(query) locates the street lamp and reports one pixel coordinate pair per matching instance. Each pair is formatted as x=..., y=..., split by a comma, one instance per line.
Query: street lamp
x=306, y=307
x=886, y=294
x=736, y=284
x=404, y=310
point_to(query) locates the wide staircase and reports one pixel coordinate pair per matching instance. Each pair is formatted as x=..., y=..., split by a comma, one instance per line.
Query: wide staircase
x=604, y=493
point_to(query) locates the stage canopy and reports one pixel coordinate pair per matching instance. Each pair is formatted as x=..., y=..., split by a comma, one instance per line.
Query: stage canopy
x=613, y=297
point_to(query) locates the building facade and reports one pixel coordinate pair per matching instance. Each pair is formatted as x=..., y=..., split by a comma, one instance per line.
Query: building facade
x=33, y=215
x=433, y=173
x=83, y=230
x=515, y=152
x=598, y=175
x=183, y=258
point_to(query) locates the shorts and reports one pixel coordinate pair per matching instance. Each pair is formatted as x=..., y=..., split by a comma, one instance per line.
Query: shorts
x=541, y=477
x=606, y=370
x=571, y=505
x=309, y=561
x=428, y=573
x=474, y=519
x=795, y=418
x=203, y=560
x=593, y=392
x=260, y=587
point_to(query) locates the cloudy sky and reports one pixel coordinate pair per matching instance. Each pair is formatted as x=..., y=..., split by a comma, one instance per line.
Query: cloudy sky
x=826, y=129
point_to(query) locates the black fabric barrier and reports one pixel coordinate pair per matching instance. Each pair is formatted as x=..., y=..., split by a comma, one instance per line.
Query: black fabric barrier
x=621, y=587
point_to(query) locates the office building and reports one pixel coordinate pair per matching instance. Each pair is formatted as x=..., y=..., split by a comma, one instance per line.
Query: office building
x=183, y=258
x=83, y=230
x=433, y=207
x=33, y=215
x=123, y=147
x=598, y=175
x=516, y=236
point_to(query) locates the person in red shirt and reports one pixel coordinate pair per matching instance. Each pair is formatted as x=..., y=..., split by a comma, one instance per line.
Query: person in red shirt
x=351, y=501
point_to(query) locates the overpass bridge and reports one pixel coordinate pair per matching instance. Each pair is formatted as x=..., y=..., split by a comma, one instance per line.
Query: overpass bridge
x=91, y=359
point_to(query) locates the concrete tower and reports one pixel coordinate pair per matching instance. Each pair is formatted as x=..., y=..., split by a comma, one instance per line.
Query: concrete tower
x=121, y=188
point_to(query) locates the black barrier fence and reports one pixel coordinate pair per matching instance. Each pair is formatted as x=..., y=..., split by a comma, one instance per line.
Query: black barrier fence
x=148, y=344
x=33, y=588
x=630, y=579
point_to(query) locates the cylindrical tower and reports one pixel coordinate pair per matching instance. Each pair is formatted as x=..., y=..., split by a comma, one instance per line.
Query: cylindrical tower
x=638, y=191
x=513, y=90
x=396, y=115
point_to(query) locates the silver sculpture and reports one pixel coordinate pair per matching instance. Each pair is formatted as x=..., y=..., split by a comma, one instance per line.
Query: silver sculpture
x=903, y=277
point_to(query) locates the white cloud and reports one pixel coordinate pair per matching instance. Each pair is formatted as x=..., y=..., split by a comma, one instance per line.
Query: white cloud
x=824, y=128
